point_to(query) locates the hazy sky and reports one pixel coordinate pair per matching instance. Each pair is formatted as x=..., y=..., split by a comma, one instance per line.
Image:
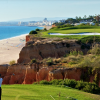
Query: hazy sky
x=18, y=9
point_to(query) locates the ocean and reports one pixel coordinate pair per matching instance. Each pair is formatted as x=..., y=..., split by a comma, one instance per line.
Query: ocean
x=12, y=31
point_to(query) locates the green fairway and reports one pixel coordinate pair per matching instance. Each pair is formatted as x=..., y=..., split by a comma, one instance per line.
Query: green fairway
x=69, y=30
x=44, y=92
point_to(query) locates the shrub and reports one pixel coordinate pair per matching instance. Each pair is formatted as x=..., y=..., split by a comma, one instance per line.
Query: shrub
x=33, y=61
x=56, y=82
x=85, y=86
x=58, y=60
x=75, y=53
x=72, y=62
x=35, y=83
x=32, y=32
x=12, y=62
x=64, y=60
x=86, y=62
x=45, y=29
x=67, y=45
x=71, y=83
x=44, y=82
x=95, y=50
x=91, y=88
x=80, y=85
x=37, y=29
x=83, y=46
x=66, y=55
x=80, y=53
x=49, y=61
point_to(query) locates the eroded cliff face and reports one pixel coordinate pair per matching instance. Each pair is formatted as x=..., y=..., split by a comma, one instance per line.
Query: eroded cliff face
x=21, y=74
x=24, y=73
x=3, y=70
x=28, y=74
x=41, y=49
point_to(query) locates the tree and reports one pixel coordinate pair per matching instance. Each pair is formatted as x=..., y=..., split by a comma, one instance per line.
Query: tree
x=76, y=18
x=84, y=17
x=37, y=29
x=80, y=18
x=45, y=29
x=33, y=32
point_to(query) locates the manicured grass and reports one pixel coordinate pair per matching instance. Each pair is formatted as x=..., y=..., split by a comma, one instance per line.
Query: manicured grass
x=69, y=30
x=44, y=92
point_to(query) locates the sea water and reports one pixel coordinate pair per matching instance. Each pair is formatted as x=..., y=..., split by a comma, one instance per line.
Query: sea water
x=12, y=31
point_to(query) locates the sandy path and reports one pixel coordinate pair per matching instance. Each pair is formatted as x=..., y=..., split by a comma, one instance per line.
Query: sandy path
x=10, y=48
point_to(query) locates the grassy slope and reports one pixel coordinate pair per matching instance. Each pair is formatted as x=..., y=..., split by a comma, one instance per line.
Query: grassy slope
x=40, y=92
x=69, y=30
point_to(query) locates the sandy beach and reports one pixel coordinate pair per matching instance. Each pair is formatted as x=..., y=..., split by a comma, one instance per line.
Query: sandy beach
x=10, y=48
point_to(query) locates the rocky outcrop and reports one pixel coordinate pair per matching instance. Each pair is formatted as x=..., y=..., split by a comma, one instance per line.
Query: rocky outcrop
x=28, y=74
x=21, y=74
x=3, y=70
x=43, y=74
x=70, y=73
x=46, y=48
x=27, y=38
x=15, y=74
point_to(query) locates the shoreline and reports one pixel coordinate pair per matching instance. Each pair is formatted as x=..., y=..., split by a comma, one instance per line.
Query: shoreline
x=10, y=48
x=14, y=36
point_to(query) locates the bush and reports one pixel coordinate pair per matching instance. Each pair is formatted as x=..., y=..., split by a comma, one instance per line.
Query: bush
x=37, y=29
x=45, y=29
x=56, y=82
x=89, y=39
x=80, y=85
x=44, y=82
x=80, y=53
x=33, y=61
x=72, y=62
x=95, y=50
x=64, y=60
x=71, y=83
x=67, y=45
x=32, y=32
x=83, y=46
x=12, y=62
x=75, y=53
x=86, y=62
x=49, y=62
x=58, y=60
x=85, y=86
x=91, y=88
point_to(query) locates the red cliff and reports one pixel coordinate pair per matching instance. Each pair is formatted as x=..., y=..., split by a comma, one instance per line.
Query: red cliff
x=46, y=48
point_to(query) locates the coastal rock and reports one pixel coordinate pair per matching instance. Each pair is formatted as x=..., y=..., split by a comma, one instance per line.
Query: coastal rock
x=15, y=74
x=43, y=73
x=3, y=70
x=45, y=49
x=73, y=73
x=27, y=38
x=28, y=74
x=56, y=74
x=21, y=74
x=70, y=73
x=6, y=79
x=31, y=72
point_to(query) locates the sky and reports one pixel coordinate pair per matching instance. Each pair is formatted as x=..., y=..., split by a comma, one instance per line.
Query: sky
x=19, y=9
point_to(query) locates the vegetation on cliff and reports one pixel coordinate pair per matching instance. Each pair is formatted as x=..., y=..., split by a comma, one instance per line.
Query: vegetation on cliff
x=84, y=86
x=66, y=29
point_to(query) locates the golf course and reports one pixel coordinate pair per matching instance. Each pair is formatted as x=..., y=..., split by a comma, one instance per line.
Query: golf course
x=44, y=92
x=70, y=30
